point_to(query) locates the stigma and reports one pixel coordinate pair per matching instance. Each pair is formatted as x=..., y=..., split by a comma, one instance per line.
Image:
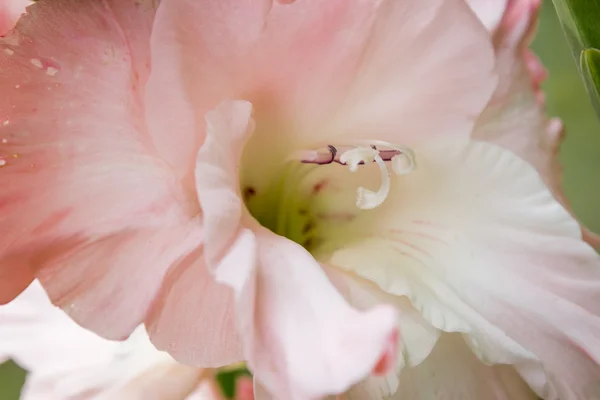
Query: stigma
x=402, y=162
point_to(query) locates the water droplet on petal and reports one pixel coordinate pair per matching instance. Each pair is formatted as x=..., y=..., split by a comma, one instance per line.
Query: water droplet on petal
x=37, y=62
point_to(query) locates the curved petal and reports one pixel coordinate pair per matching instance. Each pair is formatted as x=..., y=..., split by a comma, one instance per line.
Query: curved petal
x=87, y=278
x=516, y=116
x=453, y=372
x=79, y=176
x=193, y=317
x=418, y=336
x=41, y=338
x=10, y=11
x=306, y=342
x=480, y=246
x=300, y=337
x=369, y=65
x=67, y=361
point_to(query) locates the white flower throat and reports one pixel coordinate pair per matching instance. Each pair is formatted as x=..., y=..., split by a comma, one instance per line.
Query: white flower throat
x=302, y=204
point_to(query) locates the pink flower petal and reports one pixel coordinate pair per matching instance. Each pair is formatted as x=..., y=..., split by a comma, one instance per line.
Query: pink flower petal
x=477, y=242
x=10, y=11
x=516, y=116
x=305, y=341
x=193, y=317
x=418, y=337
x=300, y=337
x=87, y=279
x=80, y=178
x=337, y=67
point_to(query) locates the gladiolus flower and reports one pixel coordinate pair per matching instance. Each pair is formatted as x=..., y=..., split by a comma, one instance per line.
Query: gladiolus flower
x=282, y=161
x=66, y=361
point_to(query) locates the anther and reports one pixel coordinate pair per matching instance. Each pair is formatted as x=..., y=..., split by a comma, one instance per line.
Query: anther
x=402, y=161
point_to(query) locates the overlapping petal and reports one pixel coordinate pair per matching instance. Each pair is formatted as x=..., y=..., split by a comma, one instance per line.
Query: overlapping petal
x=418, y=336
x=516, y=115
x=453, y=372
x=339, y=68
x=66, y=361
x=193, y=316
x=86, y=202
x=480, y=246
x=300, y=337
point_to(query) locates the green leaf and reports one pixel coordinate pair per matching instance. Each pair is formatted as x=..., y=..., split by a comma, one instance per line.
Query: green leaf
x=581, y=23
x=590, y=69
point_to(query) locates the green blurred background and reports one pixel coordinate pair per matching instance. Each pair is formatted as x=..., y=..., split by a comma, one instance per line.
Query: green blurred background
x=580, y=152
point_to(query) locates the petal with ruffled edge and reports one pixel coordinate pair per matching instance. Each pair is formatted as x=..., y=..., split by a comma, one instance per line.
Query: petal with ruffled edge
x=300, y=337
x=418, y=336
x=478, y=243
x=80, y=178
x=337, y=68
x=516, y=115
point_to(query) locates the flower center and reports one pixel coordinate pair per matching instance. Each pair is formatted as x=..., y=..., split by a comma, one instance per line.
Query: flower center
x=301, y=202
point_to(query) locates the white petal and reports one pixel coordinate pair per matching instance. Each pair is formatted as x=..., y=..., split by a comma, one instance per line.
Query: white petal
x=490, y=12
x=453, y=372
x=66, y=360
x=477, y=242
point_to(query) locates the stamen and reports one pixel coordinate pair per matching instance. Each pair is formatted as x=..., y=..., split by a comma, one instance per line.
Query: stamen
x=401, y=158
x=367, y=199
x=404, y=162
x=358, y=155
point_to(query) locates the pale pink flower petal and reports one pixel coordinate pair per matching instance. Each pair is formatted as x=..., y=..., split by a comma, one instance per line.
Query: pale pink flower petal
x=453, y=372
x=301, y=339
x=86, y=279
x=85, y=201
x=66, y=361
x=480, y=246
x=340, y=67
x=516, y=115
x=490, y=12
x=417, y=335
x=10, y=11
x=192, y=313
